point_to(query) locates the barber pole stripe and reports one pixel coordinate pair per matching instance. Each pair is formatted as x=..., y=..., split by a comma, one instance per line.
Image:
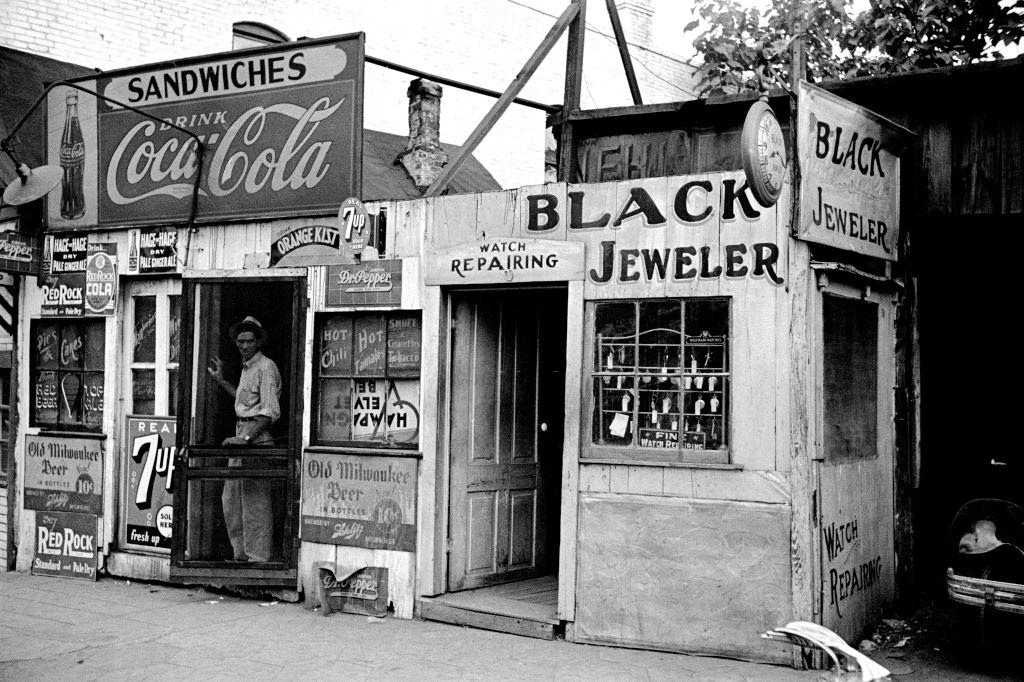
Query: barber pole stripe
x=8, y=313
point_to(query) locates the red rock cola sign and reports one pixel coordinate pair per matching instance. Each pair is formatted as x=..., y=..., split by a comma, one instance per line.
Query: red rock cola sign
x=282, y=129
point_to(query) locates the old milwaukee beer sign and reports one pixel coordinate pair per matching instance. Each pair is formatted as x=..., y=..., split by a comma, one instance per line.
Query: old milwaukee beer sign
x=281, y=126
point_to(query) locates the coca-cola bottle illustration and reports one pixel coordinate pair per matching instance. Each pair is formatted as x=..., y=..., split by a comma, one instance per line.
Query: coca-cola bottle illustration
x=72, y=160
x=133, y=252
x=47, y=256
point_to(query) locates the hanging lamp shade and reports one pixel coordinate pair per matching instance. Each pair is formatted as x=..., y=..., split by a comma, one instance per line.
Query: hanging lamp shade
x=32, y=184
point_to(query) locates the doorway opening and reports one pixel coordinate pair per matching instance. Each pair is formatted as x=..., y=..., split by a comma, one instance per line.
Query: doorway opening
x=506, y=408
x=235, y=506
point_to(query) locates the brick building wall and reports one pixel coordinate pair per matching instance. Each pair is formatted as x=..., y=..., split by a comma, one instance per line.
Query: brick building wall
x=483, y=42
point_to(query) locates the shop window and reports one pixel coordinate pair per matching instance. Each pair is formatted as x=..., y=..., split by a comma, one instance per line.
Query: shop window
x=660, y=380
x=368, y=380
x=67, y=373
x=153, y=320
x=850, y=365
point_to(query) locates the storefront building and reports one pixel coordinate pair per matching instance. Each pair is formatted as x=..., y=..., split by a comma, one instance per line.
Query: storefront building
x=637, y=410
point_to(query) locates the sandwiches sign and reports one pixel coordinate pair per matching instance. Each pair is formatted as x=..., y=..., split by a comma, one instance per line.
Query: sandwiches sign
x=281, y=129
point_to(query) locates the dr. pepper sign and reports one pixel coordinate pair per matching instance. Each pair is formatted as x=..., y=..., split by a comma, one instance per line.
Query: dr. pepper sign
x=282, y=129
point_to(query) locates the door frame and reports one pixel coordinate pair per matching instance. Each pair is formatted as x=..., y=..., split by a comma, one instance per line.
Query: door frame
x=571, y=430
x=284, y=573
x=882, y=294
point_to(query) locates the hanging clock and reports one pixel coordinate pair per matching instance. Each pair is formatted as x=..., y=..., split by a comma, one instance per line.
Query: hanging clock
x=764, y=153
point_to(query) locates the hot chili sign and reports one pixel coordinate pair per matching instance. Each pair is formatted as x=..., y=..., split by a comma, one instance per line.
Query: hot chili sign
x=281, y=126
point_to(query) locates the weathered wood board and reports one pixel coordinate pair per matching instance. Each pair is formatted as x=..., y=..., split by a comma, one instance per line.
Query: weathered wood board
x=683, y=575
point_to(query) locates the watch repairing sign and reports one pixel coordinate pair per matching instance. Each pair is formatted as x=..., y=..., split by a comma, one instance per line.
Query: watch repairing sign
x=850, y=175
x=64, y=474
x=148, y=501
x=360, y=501
x=281, y=128
x=65, y=545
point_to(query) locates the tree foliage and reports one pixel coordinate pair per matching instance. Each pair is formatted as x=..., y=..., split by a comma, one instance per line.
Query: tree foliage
x=736, y=40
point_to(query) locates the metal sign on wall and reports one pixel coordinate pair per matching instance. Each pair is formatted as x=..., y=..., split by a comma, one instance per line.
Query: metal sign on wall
x=282, y=128
x=64, y=474
x=65, y=545
x=375, y=282
x=148, y=501
x=19, y=252
x=850, y=175
x=359, y=500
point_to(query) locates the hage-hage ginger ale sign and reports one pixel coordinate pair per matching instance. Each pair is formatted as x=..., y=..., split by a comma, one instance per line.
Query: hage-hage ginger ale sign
x=281, y=127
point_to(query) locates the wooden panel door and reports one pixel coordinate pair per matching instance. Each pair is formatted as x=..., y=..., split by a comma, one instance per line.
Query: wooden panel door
x=499, y=504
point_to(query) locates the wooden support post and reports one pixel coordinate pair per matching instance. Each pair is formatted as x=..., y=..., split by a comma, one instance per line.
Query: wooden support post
x=627, y=63
x=573, y=85
x=505, y=100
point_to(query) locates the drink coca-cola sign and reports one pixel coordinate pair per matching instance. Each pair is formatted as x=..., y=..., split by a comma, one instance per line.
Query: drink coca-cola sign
x=281, y=127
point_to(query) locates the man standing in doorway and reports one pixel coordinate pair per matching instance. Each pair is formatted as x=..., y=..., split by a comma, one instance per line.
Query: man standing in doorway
x=248, y=513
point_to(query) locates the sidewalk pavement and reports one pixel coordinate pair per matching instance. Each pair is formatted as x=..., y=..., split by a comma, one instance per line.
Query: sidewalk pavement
x=58, y=628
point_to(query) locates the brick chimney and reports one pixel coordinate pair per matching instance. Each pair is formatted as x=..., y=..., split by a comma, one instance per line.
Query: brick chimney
x=423, y=157
x=636, y=18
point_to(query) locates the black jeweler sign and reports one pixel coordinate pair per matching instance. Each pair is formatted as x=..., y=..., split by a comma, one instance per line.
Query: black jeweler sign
x=281, y=127
x=360, y=501
x=850, y=169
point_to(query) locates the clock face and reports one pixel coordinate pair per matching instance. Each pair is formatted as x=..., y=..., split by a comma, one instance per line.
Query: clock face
x=771, y=151
x=764, y=154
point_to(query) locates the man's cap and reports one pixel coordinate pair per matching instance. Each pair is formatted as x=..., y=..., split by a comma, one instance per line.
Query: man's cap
x=249, y=324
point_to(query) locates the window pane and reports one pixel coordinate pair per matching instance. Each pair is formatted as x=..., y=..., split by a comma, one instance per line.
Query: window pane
x=172, y=392
x=334, y=409
x=850, y=367
x=46, y=346
x=659, y=338
x=143, y=391
x=616, y=336
x=614, y=408
x=95, y=344
x=70, y=397
x=72, y=343
x=336, y=346
x=236, y=519
x=404, y=345
x=145, y=329
x=46, y=399
x=368, y=409
x=173, y=328
x=92, y=398
x=369, y=353
x=403, y=416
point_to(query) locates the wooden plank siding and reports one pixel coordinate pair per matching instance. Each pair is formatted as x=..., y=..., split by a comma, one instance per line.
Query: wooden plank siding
x=966, y=160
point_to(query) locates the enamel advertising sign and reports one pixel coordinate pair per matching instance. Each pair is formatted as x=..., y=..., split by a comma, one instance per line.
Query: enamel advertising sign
x=281, y=127
x=65, y=545
x=148, y=503
x=850, y=169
